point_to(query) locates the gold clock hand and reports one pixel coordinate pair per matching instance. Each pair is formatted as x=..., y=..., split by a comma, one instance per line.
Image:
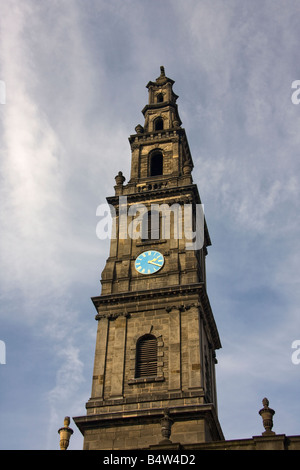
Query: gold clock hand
x=155, y=259
x=152, y=262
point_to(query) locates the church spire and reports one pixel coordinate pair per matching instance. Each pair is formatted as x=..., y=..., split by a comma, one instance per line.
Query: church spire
x=162, y=101
x=161, y=138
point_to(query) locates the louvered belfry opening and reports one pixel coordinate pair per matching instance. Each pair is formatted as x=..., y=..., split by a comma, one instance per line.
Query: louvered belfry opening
x=146, y=356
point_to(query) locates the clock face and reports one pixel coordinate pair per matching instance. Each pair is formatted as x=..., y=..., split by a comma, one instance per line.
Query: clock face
x=149, y=262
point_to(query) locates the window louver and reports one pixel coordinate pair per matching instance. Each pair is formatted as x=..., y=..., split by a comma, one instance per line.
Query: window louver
x=146, y=357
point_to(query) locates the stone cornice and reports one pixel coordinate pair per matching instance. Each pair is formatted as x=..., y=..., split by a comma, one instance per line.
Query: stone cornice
x=156, y=106
x=178, y=297
x=173, y=191
x=152, y=415
x=121, y=297
x=173, y=134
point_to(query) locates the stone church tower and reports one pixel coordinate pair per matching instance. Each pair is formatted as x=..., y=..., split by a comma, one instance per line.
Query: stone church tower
x=154, y=369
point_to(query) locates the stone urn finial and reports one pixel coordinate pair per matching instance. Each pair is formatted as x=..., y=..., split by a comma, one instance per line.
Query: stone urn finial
x=139, y=129
x=120, y=178
x=267, y=416
x=187, y=168
x=166, y=424
x=65, y=433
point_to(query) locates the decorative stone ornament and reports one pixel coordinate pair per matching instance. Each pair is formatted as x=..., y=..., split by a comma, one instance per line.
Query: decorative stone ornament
x=139, y=129
x=120, y=178
x=65, y=433
x=267, y=416
x=187, y=168
x=166, y=425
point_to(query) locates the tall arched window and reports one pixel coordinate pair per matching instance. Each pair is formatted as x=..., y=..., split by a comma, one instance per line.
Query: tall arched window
x=158, y=124
x=160, y=98
x=146, y=356
x=156, y=164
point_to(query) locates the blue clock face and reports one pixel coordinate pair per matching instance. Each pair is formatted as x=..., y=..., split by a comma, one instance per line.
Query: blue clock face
x=149, y=262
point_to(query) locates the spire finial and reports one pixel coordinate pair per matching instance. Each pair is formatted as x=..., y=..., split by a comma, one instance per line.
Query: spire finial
x=162, y=71
x=65, y=433
x=267, y=416
x=120, y=178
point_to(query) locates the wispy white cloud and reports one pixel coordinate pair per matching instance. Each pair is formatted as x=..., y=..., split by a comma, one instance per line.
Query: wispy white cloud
x=37, y=218
x=31, y=185
x=75, y=76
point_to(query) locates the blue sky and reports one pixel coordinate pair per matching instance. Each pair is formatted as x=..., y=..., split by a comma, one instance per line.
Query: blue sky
x=75, y=75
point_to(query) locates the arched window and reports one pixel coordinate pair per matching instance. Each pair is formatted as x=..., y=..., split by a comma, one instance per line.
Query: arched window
x=158, y=124
x=160, y=98
x=156, y=164
x=146, y=356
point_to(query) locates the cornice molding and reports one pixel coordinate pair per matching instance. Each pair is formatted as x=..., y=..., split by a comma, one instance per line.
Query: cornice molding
x=152, y=415
x=173, y=191
x=176, y=296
